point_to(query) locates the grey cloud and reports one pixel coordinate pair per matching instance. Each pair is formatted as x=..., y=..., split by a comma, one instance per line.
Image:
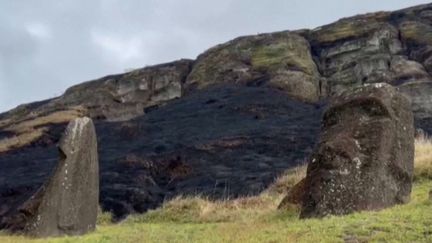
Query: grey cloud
x=49, y=45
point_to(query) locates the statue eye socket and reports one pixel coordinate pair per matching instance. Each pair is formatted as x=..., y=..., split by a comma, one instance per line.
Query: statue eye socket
x=369, y=107
x=374, y=109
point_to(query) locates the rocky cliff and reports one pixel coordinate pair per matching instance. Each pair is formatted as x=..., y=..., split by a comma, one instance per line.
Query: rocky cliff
x=225, y=124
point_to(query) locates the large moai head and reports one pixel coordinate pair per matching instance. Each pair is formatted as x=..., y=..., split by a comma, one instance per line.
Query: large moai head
x=364, y=159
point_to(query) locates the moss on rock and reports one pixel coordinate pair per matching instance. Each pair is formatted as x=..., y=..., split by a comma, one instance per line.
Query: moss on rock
x=281, y=60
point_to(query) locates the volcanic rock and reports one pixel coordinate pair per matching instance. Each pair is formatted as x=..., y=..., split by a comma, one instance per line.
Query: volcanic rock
x=280, y=60
x=114, y=98
x=364, y=159
x=67, y=203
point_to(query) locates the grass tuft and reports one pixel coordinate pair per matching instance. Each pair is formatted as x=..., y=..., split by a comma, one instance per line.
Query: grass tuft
x=423, y=158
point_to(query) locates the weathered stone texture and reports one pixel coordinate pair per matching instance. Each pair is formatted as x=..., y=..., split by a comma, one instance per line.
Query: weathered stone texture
x=294, y=195
x=124, y=96
x=364, y=159
x=281, y=60
x=114, y=98
x=67, y=204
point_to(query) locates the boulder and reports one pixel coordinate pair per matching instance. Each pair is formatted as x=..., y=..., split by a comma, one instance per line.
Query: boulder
x=67, y=204
x=364, y=159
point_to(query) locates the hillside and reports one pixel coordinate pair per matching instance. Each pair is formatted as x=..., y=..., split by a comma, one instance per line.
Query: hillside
x=226, y=124
x=257, y=219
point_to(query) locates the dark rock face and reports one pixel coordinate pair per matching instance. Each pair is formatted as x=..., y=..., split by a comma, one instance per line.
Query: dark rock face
x=68, y=202
x=364, y=159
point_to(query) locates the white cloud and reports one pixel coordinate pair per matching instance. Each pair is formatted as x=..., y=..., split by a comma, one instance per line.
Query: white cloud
x=4, y=104
x=39, y=30
x=120, y=48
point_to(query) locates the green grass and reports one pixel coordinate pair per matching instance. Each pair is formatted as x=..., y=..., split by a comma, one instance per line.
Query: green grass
x=256, y=219
x=272, y=57
x=404, y=223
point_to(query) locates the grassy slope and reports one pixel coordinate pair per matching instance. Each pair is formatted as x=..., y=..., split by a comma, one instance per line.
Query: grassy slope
x=256, y=219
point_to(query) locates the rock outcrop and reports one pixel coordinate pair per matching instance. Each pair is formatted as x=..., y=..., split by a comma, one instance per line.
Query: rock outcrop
x=67, y=204
x=365, y=156
x=380, y=47
x=280, y=60
x=113, y=98
x=125, y=96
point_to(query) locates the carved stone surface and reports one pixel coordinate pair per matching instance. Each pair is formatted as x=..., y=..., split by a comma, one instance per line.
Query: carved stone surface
x=67, y=204
x=365, y=156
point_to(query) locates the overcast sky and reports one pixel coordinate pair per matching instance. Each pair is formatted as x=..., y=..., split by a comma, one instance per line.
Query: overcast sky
x=49, y=45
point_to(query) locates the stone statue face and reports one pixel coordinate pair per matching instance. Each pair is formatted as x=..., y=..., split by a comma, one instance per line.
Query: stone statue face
x=356, y=134
x=365, y=154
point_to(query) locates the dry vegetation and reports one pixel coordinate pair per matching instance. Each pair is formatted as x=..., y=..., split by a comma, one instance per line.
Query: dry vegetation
x=27, y=131
x=423, y=158
x=199, y=209
x=20, y=139
x=288, y=179
x=205, y=210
